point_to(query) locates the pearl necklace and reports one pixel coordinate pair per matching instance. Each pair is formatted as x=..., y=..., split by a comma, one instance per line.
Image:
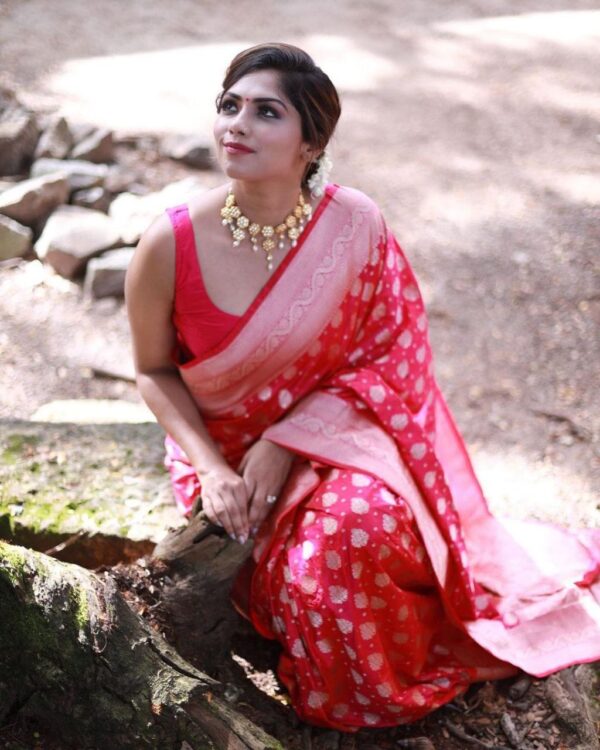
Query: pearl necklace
x=292, y=225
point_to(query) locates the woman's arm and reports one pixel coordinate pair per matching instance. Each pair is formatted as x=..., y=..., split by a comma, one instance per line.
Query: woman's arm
x=149, y=291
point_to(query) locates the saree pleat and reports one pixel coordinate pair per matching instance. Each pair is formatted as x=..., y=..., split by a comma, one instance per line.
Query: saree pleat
x=380, y=569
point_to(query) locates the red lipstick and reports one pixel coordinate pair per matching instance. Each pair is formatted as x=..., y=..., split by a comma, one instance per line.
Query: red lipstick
x=236, y=148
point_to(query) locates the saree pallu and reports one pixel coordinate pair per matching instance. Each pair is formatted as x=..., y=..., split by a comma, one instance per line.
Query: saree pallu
x=380, y=569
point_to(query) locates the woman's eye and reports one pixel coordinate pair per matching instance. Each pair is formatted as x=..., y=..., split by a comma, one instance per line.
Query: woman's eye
x=229, y=105
x=269, y=111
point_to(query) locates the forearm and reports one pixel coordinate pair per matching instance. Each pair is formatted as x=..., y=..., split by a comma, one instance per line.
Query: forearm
x=167, y=396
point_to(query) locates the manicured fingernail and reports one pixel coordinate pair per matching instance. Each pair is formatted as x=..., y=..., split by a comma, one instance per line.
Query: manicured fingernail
x=254, y=530
x=242, y=538
x=233, y=536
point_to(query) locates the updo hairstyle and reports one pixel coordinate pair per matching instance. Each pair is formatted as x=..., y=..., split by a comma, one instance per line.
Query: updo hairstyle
x=307, y=87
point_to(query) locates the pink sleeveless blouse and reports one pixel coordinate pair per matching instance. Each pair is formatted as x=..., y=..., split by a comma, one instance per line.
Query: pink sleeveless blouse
x=199, y=323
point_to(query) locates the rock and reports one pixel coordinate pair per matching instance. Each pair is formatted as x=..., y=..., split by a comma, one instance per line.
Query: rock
x=15, y=239
x=56, y=141
x=19, y=135
x=30, y=202
x=106, y=480
x=191, y=150
x=81, y=174
x=119, y=179
x=97, y=147
x=141, y=141
x=135, y=213
x=138, y=188
x=97, y=198
x=8, y=183
x=81, y=130
x=105, y=276
x=72, y=236
x=93, y=411
x=7, y=98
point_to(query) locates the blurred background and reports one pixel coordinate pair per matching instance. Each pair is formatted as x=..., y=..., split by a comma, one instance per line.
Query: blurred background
x=474, y=124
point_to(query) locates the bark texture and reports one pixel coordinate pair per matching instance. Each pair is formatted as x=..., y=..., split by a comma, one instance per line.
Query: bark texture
x=76, y=658
x=203, y=563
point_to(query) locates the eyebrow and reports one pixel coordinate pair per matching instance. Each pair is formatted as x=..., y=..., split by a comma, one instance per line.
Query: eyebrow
x=257, y=99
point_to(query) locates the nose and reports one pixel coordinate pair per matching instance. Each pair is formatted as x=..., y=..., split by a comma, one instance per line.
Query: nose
x=237, y=124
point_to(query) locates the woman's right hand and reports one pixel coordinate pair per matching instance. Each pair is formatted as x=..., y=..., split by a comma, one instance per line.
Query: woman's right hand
x=225, y=501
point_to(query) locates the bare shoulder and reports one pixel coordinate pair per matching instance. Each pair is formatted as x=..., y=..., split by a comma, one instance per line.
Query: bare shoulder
x=153, y=264
x=157, y=243
x=204, y=206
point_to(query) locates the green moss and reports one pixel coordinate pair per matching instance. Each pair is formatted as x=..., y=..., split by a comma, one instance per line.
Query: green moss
x=81, y=611
x=21, y=626
x=15, y=446
x=58, y=480
x=33, y=625
x=12, y=562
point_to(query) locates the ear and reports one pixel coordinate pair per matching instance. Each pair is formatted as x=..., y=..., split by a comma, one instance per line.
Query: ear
x=308, y=153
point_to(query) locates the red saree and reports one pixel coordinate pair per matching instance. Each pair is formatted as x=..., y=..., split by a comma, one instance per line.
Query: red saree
x=380, y=569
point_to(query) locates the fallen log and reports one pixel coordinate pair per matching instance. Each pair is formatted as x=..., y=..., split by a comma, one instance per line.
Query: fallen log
x=76, y=658
x=202, y=563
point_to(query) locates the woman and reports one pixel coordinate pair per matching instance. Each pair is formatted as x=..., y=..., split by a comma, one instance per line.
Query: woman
x=280, y=338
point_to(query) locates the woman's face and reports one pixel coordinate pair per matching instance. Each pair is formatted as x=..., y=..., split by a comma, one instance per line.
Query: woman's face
x=254, y=113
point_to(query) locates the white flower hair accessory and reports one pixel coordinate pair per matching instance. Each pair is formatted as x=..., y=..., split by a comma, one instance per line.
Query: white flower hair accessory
x=320, y=178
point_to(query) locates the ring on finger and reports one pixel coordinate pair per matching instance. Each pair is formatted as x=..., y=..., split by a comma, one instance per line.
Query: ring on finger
x=271, y=499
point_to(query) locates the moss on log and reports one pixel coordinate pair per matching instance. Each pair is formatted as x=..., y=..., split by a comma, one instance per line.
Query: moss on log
x=78, y=660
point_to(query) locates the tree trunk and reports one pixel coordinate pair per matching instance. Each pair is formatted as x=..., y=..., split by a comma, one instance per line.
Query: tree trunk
x=74, y=656
x=202, y=563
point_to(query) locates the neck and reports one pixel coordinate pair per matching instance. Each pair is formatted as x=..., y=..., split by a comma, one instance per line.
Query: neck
x=266, y=203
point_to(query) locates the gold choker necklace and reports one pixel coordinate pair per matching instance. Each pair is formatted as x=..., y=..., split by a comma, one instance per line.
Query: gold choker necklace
x=292, y=225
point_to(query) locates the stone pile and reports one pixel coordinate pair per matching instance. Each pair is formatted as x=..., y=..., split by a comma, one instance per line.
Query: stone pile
x=65, y=200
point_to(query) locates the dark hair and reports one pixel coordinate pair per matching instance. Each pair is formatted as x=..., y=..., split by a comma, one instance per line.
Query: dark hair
x=307, y=87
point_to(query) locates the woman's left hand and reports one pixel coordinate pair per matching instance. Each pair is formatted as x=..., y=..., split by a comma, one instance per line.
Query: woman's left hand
x=264, y=468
